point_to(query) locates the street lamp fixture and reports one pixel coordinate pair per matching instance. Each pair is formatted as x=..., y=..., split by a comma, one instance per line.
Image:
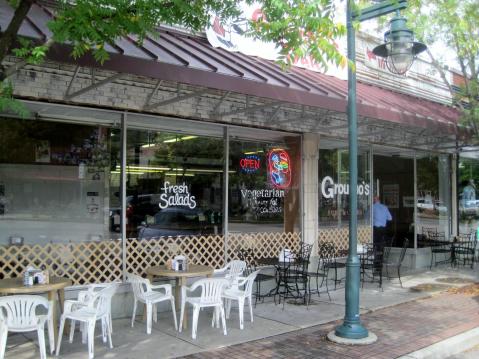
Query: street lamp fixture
x=399, y=48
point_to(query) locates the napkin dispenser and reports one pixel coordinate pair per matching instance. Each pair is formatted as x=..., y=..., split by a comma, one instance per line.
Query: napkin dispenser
x=180, y=263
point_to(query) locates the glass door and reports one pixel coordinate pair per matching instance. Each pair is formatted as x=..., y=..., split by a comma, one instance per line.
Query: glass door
x=394, y=183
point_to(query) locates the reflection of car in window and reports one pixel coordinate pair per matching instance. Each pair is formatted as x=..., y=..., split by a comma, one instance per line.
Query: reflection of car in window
x=424, y=204
x=176, y=221
x=440, y=207
x=469, y=207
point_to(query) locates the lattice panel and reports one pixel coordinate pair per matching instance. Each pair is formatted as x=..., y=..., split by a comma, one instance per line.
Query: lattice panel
x=265, y=245
x=143, y=253
x=83, y=263
x=340, y=236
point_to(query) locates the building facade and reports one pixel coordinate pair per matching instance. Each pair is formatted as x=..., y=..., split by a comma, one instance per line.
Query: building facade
x=175, y=147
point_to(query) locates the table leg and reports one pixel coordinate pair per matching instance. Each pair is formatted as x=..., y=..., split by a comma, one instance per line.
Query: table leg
x=52, y=297
x=61, y=302
x=335, y=276
x=61, y=299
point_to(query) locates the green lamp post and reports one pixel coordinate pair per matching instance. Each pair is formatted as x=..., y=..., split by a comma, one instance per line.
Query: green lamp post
x=400, y=51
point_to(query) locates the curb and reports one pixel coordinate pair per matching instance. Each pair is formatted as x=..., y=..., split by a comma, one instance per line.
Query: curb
x=447, y=347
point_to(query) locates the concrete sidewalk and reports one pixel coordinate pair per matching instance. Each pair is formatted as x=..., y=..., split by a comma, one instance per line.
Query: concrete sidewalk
x=405, y=320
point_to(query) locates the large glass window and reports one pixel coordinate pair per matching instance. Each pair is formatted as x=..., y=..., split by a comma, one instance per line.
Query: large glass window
x=174, y=184
x=55, y=182
x=333, y=190
x=468, y=179
x=433, y=205
x=264, y=183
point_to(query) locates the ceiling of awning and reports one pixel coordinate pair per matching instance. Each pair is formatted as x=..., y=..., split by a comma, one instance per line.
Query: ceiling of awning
x=182, y=58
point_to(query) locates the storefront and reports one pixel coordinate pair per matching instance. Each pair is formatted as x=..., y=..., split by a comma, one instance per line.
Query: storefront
x=202, y=153
x=61, y=182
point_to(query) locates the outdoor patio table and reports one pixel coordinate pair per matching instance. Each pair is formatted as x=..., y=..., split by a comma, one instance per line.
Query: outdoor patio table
x=194, y=270
x=55, y=288
x=281, y=273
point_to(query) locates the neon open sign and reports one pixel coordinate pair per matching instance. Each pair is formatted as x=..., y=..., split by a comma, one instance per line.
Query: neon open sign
x=279, y=168
x=250, y=163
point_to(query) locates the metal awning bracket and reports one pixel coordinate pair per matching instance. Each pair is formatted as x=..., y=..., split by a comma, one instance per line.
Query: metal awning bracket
x=69, y=96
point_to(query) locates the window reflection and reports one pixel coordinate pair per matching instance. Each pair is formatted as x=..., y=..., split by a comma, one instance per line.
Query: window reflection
x=174, y=184
x=433, y=193
x=55, y=181
x=468, y=180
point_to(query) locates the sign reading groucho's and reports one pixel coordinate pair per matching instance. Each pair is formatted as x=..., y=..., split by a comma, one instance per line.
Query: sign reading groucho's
x=176, y=195
x=329, y=189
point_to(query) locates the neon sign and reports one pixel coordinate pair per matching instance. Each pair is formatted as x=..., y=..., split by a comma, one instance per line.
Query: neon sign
x=279, y=168
x=250, y=163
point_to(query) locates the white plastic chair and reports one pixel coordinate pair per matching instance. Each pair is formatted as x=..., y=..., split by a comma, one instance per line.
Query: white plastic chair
x=18, y=315
x=235, y=293
x=143, y=292
x=83, y=298
x=211, y=292
x=98, y=307
x=231, y=271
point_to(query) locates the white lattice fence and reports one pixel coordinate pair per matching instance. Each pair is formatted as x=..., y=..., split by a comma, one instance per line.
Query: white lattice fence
x=265, y=245
x=143, y=253
x=83, y=263
x=340, y=236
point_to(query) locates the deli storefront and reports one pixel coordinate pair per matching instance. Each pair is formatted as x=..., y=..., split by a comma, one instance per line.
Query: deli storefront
x=202, y=153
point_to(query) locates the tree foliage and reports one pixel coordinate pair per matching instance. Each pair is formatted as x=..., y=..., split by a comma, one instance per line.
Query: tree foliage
x=300, y=27
x=456, y=24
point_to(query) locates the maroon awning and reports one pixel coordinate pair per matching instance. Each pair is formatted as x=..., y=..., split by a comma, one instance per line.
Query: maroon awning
x=191, y=60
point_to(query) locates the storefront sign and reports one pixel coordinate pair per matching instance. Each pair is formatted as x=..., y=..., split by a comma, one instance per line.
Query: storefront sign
x=176, y=195
x=264, y=201
x=279, y=168
x=250, y=163
x=267, y=193
x=329, y=189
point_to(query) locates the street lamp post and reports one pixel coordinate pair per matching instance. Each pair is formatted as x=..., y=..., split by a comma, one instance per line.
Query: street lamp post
x=398, y=50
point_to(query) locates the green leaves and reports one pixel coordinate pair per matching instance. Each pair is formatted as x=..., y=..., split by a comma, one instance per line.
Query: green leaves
x=8, y=102
x=302, y=29
x=90, y=25
x=32, y=54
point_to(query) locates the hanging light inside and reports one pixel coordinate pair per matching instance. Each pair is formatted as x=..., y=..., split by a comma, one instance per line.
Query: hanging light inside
x=399, y=48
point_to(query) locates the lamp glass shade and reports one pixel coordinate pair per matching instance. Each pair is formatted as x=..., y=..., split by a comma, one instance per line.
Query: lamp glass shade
x=399, y=48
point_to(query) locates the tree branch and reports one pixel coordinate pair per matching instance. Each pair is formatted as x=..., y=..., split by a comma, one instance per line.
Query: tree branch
x=440, y=69
x=8, y=37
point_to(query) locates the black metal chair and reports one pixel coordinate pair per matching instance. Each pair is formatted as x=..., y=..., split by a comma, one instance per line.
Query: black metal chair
x=247, y=255
x=293, y=278
x=394, y=263
x=330, y=250
x=322, y=270
x=371, y=264
x=464, y=250
x=439, y=248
